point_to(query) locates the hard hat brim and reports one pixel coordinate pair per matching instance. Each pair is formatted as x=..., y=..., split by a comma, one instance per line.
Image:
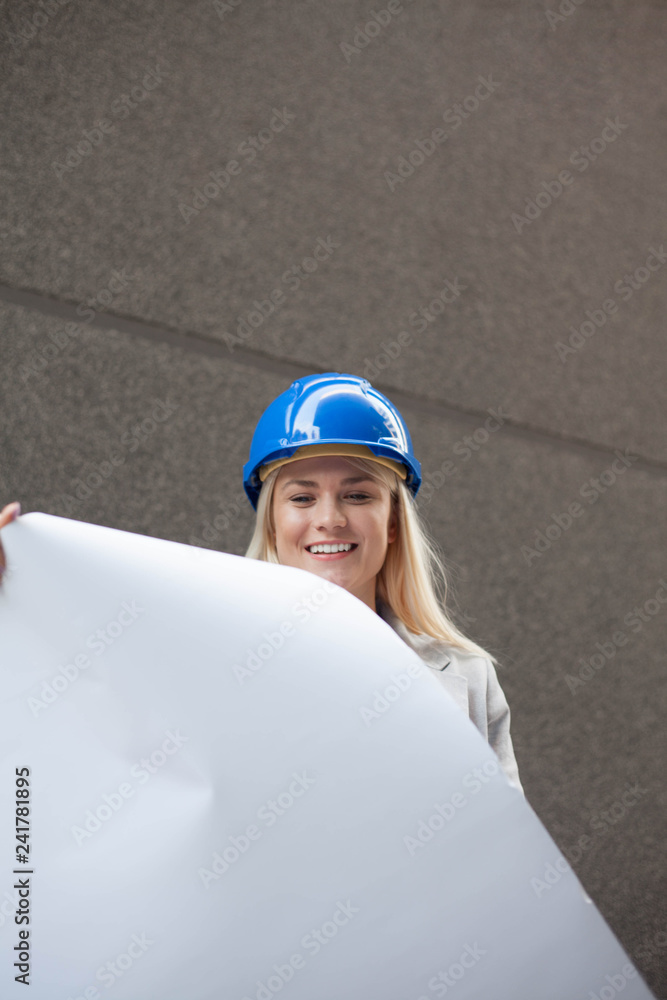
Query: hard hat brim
x=316, y=450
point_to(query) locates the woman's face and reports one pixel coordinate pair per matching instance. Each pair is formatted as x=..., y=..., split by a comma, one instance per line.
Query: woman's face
x=325, y=500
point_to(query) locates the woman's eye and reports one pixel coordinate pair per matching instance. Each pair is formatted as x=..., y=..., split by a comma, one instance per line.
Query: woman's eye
x=357, y=496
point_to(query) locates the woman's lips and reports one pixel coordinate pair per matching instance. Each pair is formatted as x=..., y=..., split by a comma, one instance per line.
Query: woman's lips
x=328, y=556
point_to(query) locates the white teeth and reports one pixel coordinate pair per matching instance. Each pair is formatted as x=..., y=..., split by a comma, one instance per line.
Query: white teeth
x=330, y=548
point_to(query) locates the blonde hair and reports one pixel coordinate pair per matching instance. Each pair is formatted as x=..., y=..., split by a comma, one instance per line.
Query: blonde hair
x=413, y=572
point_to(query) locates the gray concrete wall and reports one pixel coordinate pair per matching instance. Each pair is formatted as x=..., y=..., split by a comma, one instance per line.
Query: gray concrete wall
x=502, y=161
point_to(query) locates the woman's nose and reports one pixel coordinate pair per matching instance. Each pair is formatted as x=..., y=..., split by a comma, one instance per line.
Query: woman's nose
x=330, y=512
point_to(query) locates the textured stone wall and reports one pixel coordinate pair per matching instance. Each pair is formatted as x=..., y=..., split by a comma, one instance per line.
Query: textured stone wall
x=463, y=202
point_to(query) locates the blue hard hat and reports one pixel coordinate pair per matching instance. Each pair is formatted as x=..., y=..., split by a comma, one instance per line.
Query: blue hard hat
x=329, y=409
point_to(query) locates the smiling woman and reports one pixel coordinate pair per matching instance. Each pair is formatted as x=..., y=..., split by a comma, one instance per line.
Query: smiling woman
x=332, y=477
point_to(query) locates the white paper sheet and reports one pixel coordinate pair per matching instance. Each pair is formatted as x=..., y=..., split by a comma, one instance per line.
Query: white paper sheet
x=215, y=815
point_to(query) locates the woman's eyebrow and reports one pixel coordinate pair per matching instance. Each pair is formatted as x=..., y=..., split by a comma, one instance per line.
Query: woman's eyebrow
x=311, y=482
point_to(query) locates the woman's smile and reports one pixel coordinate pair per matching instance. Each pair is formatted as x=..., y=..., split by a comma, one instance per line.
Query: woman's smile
x=329, y=556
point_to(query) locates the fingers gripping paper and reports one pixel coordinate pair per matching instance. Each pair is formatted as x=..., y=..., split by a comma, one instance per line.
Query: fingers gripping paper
x=232, y=780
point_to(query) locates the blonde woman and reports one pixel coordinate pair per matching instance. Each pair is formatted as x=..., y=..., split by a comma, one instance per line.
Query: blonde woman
x=332, y=477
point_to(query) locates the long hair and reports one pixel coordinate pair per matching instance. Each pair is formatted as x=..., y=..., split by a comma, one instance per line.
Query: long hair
x=413, y=579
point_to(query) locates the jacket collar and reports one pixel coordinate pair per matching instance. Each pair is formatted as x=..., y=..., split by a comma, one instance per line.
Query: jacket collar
x=431, y=650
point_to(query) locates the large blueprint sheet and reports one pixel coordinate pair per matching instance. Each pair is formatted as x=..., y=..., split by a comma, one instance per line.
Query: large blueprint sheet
x=242, y=784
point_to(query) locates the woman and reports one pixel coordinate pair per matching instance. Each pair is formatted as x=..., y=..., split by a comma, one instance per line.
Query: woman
x=332, y=468
x=332, y=477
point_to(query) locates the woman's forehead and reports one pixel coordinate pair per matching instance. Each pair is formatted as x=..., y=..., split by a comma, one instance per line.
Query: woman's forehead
x=322, y=466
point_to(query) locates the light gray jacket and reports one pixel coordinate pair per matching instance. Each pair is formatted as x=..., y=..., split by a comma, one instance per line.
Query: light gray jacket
x=472, y=682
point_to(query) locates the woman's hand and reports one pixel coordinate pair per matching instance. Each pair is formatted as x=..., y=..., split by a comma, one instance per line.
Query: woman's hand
x=7, y=514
